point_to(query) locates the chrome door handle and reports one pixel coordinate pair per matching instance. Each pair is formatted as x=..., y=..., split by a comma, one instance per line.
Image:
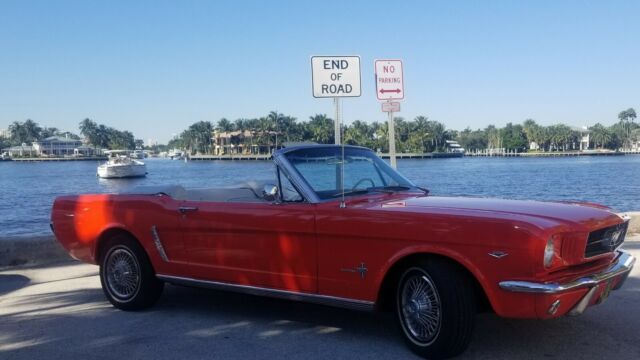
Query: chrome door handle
x=185, y=209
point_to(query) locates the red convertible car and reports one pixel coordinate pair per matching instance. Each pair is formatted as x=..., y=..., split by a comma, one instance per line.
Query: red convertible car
x=338, y=226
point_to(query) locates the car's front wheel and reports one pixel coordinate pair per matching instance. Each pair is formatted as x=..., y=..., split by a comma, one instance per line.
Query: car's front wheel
x=126, y=275
x=435, y=305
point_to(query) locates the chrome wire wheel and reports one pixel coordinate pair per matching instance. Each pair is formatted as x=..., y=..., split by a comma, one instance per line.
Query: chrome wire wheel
x=419, y=307
x=122, y=273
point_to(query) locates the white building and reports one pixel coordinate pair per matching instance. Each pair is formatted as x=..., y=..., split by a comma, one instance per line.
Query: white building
x=61, y=146
x=584, y=137
x=4, y=133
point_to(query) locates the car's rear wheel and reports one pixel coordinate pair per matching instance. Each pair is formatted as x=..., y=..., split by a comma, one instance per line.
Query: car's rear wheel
x=435, y=305
x=127, y=277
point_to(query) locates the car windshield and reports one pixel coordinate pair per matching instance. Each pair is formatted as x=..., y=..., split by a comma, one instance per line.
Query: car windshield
x=363, y=171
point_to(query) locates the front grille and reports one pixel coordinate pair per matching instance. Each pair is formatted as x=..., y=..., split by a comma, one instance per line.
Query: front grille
x=605, y=240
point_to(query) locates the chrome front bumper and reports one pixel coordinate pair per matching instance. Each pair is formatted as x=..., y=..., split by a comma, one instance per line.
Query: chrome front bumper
x=622, y=266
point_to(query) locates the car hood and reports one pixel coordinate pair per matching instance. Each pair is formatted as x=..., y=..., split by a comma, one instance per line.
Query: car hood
x=589, y=215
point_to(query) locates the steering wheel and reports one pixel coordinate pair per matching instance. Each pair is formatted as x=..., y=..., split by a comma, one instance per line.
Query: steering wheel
x=361, y=181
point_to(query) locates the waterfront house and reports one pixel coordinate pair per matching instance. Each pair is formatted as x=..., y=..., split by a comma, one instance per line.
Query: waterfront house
x=242, y=142
x=583, y=137
x=61, y=146
x=23, y=150
x=4, y=134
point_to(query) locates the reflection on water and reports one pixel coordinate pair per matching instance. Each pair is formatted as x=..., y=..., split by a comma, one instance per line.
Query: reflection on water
x=27, y=190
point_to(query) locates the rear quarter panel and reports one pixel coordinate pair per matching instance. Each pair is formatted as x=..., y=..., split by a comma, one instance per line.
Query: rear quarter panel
x=80, y=221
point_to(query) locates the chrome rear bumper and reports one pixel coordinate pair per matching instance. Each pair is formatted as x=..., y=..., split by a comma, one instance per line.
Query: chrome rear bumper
x=621, y=267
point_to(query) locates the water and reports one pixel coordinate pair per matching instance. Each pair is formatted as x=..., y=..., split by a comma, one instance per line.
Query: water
x=27, y=190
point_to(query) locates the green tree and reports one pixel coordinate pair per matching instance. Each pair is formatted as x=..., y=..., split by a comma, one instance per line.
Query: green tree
x=600, y=135
x=89, y=129
x=224, y=125
x=626, y=120
x=49, y=131
x=359, y=133
x=320, y=128
x=514, y=138
x=472, y=140
x=26, y=132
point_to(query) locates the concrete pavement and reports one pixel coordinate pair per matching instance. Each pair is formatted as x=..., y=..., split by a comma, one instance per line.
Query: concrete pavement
x=59, y=312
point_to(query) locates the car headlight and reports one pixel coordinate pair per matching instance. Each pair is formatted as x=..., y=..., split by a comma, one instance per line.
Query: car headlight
x=549, y=253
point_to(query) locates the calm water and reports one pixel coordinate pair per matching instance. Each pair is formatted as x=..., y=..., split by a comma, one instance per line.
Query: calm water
x=27, y=190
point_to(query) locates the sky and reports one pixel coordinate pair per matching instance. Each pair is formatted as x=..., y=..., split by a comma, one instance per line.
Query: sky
x=155, y=67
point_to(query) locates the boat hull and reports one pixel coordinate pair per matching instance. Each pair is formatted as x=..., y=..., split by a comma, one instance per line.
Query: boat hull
x=122, y=171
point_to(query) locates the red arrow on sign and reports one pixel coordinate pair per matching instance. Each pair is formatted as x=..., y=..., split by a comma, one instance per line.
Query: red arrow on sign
x=397, y=91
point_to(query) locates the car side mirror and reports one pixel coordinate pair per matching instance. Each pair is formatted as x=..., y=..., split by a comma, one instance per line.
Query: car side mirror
x=270, y=192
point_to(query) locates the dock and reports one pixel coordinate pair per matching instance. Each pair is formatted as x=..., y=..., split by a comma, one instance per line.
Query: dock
x=254, y=157
x=264, y=157
x=546, y=154
x=47, y=159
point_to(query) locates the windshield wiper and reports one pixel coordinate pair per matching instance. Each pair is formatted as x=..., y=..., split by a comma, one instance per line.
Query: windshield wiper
x=395, y=188
x=350, y=192
x=389, y=189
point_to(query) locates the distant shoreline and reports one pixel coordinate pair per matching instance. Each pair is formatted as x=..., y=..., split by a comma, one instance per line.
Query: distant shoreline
x=92, y=158
x=265, y=157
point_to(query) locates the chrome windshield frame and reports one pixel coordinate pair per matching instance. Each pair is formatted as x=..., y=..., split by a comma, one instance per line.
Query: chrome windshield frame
x=280, y=159
x=301, y=185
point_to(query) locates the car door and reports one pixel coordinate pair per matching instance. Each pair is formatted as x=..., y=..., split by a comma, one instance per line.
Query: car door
x=259, y=244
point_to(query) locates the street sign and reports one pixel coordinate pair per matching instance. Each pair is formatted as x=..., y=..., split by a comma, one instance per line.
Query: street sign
x=389, y=80
x=335, y=76
x=390, y=106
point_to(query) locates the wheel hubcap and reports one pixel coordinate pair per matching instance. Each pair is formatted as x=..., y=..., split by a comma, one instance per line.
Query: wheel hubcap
x=122, y=274
x=420, y=308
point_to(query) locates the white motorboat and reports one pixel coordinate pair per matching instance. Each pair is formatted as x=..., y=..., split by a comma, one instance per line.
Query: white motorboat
x=176, y=154
x=138, y=154
x=120, y=165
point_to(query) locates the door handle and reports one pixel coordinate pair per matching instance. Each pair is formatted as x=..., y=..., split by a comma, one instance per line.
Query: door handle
x=185, y=209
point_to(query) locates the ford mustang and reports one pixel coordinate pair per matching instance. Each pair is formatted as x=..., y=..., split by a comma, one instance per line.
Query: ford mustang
x=338, y=226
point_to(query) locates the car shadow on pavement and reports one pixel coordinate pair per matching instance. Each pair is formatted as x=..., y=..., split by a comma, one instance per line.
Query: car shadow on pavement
x=12, y=282
x=199, y=323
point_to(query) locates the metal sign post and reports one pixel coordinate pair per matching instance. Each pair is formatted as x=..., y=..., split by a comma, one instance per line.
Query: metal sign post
x=392, y=140
x=390, y=86
x=336, y=77
x=337, y=123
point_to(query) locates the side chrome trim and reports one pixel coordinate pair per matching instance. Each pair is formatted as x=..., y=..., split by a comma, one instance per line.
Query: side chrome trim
x=281, y=294
x=498, y=254
x=622, y=266
x=158, y=243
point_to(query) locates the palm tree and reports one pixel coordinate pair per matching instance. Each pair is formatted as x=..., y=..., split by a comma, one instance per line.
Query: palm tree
x=532, y=131
x=321, y=129
x=32, y=130
x=89, y=130
x=626, y=119
x=437, y=131
x=26, y=132
x=17, y=133
x=494, y=140
x=600, y=135
x=359, y=133
x=224, y=125
x=275, y=118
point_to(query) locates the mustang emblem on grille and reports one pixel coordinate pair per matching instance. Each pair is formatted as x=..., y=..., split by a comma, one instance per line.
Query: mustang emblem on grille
x=615, y=236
